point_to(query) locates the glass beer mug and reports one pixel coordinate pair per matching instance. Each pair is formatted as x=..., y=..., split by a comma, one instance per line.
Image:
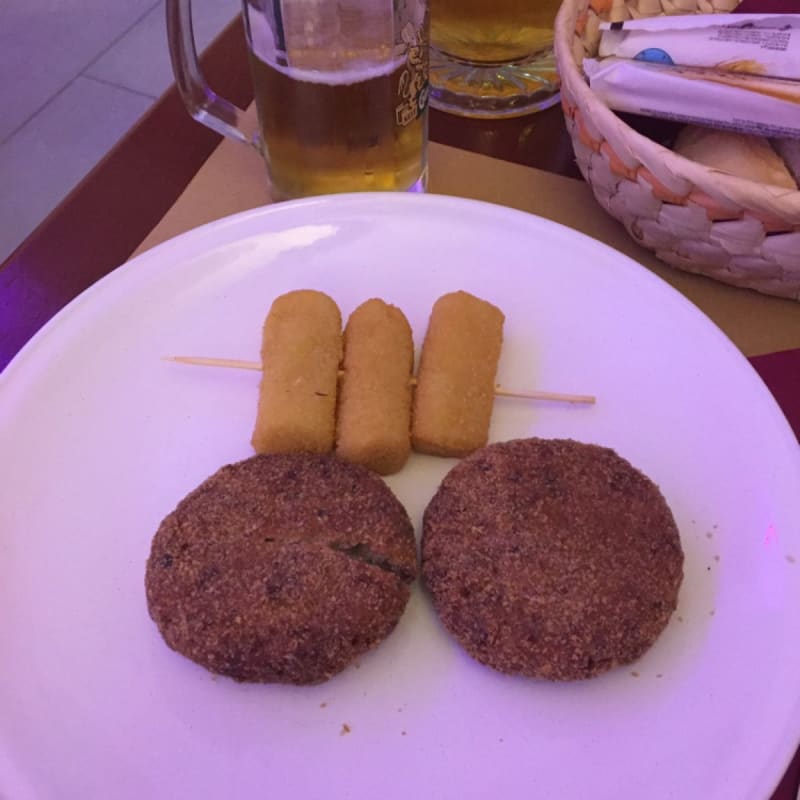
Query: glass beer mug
x=341, y=90
x=493, y=58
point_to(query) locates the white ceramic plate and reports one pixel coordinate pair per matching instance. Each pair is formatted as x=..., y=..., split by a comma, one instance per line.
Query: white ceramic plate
x=99, y=439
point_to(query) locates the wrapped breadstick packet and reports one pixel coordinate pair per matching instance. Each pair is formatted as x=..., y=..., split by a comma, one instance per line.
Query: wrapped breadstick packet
x=742, y=103
x=754, y=44
x=737, y=72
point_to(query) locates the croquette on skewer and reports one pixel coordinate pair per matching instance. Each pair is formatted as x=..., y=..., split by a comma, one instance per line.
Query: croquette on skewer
x=301, y=351
x=374, y=410
x=456, y=378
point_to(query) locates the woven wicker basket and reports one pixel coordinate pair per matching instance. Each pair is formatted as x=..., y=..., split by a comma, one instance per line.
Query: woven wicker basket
x=692, y=217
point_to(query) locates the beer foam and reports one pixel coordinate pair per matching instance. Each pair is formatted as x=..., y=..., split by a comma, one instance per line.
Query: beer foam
x=266, y=47
x=343, y=77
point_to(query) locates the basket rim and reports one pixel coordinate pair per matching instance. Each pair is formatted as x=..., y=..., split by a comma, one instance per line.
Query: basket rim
x=766, y=198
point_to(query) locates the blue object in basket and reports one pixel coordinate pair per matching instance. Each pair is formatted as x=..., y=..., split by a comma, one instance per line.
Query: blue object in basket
x=655, y=55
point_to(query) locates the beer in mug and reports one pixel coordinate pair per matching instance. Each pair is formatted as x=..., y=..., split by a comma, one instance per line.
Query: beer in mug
x=341, y=91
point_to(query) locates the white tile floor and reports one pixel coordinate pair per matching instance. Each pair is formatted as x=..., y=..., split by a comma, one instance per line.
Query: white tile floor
x=76, y=75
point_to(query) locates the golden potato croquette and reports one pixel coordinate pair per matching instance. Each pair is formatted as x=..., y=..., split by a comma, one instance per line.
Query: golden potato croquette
x=300, y=353
x=454, y=396
x=374, y=412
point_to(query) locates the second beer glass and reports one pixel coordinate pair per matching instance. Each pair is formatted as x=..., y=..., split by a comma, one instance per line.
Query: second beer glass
x=493, y=58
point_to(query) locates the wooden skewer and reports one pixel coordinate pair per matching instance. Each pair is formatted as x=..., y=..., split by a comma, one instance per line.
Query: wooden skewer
x=234, y=363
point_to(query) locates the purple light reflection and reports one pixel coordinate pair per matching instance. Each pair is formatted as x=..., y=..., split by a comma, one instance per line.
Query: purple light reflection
x=772, y=535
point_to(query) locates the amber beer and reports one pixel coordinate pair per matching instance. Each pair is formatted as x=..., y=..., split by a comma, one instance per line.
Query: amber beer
x=342, y=130
x=341, y=89
x=492, y=31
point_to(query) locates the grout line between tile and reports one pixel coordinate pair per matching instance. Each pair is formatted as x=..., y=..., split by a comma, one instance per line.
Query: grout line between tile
x=39, y=110
x=121, y=36
x=72, y=80
x=118, y=86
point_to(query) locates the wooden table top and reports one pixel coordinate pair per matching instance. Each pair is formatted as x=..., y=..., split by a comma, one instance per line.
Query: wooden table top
x=104, y=219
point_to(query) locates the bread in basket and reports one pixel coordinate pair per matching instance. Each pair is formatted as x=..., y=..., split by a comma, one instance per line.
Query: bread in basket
x=692, y=217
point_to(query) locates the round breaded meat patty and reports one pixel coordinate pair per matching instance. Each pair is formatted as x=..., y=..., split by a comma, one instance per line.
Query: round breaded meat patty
x=282, y=568
x=551, y=558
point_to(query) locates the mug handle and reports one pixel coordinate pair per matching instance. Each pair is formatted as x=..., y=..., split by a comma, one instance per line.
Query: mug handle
x=201, y=101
